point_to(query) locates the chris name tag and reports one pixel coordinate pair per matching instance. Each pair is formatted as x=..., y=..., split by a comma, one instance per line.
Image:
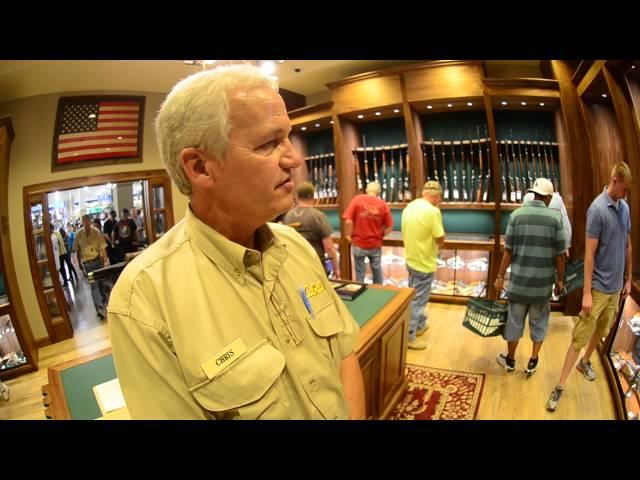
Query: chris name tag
x=224, y=358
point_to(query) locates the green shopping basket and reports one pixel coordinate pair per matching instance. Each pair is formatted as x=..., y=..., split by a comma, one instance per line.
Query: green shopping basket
x=573, y=277
x=486, y=318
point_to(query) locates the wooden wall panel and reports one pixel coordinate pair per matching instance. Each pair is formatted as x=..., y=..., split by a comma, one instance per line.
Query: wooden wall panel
x=374, y=92
x=444, y=82
x=310, y=114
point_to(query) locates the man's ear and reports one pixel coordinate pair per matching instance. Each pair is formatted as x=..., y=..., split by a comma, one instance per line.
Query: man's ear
x=199, y=167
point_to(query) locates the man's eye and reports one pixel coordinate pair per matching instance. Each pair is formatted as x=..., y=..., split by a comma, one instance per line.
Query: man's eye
x=270, y=145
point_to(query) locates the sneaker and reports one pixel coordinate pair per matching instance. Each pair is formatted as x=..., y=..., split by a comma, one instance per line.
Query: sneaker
x=422, y=330
x=586, y=369
x=531, y=366
x=417, y=344
x=554, y=398
x=508, y=364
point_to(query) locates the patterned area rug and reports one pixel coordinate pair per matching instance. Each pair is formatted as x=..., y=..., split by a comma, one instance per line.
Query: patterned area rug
x=436, y=394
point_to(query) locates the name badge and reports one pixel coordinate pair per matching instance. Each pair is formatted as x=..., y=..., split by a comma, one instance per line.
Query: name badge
x=224, y=358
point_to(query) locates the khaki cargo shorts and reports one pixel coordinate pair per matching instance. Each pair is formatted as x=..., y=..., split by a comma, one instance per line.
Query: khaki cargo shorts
x=603, y=311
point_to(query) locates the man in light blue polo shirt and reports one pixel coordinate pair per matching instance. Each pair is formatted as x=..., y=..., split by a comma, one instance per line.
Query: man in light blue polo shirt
x=607, y=253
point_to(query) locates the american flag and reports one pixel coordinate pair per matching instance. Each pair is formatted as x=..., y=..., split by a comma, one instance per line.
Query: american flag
x=98, y=129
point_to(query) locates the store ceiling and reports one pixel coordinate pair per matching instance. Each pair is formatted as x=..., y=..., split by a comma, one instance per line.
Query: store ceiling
x=25, y=78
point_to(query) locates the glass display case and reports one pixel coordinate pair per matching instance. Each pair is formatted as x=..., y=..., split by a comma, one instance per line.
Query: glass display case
x=624, y=355
x=462, y=270
x=11, y=354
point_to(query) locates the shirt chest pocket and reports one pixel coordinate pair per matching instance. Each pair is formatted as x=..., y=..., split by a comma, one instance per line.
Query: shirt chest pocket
x=325, y=320
x=248, y=389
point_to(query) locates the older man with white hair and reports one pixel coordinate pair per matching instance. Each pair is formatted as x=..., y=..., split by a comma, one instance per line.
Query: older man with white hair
x=228, y=316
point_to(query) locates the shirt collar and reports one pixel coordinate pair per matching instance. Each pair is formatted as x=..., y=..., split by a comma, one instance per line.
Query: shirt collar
x=609, y=200
x=536, y=203
x=232, y=257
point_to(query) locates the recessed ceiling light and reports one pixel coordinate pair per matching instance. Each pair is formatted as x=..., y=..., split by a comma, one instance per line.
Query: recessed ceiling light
x=542, y=104
x=119, y=138
x=209, y=62
x=378, y=114
x=604, y=95
x=281, y=61
x=469, y=104
x=360, y=116
x=429, y=107
x=331, y=122
x=503, y=102
x=396, y=110
x=303, y=128
x=523, y=103
x=268, y=67
x=449, y=105
x=317, y=124
x=633, y=66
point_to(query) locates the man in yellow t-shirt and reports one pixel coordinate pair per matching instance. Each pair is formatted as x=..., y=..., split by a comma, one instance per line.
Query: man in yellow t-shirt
x=422, y=234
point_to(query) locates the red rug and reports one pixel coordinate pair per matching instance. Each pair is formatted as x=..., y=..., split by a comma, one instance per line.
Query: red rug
x=436, y=394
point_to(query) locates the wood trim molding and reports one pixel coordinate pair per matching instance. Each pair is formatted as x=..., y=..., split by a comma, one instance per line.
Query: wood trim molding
x=399, y=70
x=93, y=180
x=542, y=83
x=581, y=71
x=590, y=76
x=43, y=342
x=309, y=109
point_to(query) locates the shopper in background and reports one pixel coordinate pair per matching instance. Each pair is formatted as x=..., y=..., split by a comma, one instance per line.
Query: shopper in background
x=535, y=246
x=108, y=229
x=91, y=251
x=226, y=315
x=607, y=274
x=314, y=226
x=139, y=219
x=422, y=235
x=125, y=234
x=367, y=221
x=557, y=204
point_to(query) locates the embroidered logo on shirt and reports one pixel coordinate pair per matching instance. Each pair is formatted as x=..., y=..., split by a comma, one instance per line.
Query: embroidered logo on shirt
x=224, y=358
x=314, y=289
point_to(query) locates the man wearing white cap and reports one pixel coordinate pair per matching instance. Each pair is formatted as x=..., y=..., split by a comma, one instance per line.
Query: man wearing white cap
x=535, y=236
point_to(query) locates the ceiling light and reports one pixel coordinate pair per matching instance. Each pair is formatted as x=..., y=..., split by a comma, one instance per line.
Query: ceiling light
x=449, y=105
x=317, y=124
x=209, y=62
x=119, y=138
x=523, y=103
x=604, y=95
x=378, y=114
x=542, y=104
x=429, y=107
x=469, y=104
x=396, y=110
x=303, y=128
x=85, y=188
x=331, y=122
x=503, y=102
x=92, y=115
x=281, y=61
x=360, y=116
x=268, y=67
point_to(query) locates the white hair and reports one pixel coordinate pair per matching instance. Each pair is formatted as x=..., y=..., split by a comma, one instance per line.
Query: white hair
x=196, y=114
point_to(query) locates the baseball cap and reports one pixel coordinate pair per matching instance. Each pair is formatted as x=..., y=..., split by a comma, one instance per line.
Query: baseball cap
x=543, y=187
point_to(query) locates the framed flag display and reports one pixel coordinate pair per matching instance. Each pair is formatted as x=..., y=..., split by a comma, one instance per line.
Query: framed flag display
x=97, y=130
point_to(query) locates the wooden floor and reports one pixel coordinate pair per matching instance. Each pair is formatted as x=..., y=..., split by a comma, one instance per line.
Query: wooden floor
x=506, y=396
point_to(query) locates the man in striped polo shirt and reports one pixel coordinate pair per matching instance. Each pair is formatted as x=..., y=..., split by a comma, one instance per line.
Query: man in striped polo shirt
x=535, y=237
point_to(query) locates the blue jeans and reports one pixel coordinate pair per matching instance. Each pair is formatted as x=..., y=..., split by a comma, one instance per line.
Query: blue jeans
x=375, y=260
x=422, y=283
x=97, y=288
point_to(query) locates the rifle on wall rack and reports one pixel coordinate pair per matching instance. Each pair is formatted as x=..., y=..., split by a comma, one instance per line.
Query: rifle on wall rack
x=523, y=178
x=545, y=174
x=392, y=172
x=517, y=172
x=504, y=181
x=512, y=185
x=383, y=174
x=358, y=169
x=472, y=189
x=455, y=189
x=526, y=162
x=444, y=174
x=400, y=181
x=375, y=166
x=546, y=159
x=406, y=183
x=425, y=162
x=435, y=161
x=487, y=180
x=480, y=183
x=465, y=195
x=554, y=179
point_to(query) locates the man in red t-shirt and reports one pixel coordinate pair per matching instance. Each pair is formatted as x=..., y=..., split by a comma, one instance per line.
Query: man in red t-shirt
x=368, y=219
